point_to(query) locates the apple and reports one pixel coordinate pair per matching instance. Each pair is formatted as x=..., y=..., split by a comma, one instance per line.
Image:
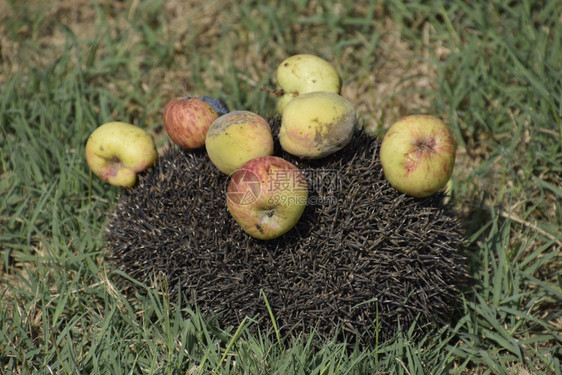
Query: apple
x=237, y=137
x=117, y=151
x=418, y=155
x=304, y=73
x=267, y=196
x=187, y=119
x=316, y=124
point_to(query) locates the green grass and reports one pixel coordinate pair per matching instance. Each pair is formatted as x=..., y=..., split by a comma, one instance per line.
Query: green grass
x=491, y=70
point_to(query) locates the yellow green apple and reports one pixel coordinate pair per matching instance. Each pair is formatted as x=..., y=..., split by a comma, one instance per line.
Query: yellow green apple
x=304, y=73
x=316, y=124
x=117, y=151
x=418, y=155
x=267, y=196
x=237, y=137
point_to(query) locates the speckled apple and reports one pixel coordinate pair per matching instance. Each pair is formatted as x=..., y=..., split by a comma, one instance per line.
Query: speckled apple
x=237, y=137
x=418, y=155
x=316, y=124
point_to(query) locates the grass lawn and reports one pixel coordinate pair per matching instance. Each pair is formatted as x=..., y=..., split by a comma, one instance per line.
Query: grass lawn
x=492, y=70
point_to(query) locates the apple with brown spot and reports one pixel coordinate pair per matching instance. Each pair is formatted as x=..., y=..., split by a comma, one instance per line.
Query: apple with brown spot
x=316, y=124
x=237, y=137
x=418, y=155
x=117, y=151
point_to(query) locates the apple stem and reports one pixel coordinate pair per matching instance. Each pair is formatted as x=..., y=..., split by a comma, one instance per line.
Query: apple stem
x=185, y=87
x=279, y=92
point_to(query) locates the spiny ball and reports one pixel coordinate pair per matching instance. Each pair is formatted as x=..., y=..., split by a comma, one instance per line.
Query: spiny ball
x=363, y=261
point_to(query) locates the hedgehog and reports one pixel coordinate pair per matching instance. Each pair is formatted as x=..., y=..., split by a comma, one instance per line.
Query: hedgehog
x=363, y=262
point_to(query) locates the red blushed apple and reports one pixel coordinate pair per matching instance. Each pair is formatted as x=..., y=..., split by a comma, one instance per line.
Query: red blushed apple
x=187, y=121
x=418, y=155
x=267, y=196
